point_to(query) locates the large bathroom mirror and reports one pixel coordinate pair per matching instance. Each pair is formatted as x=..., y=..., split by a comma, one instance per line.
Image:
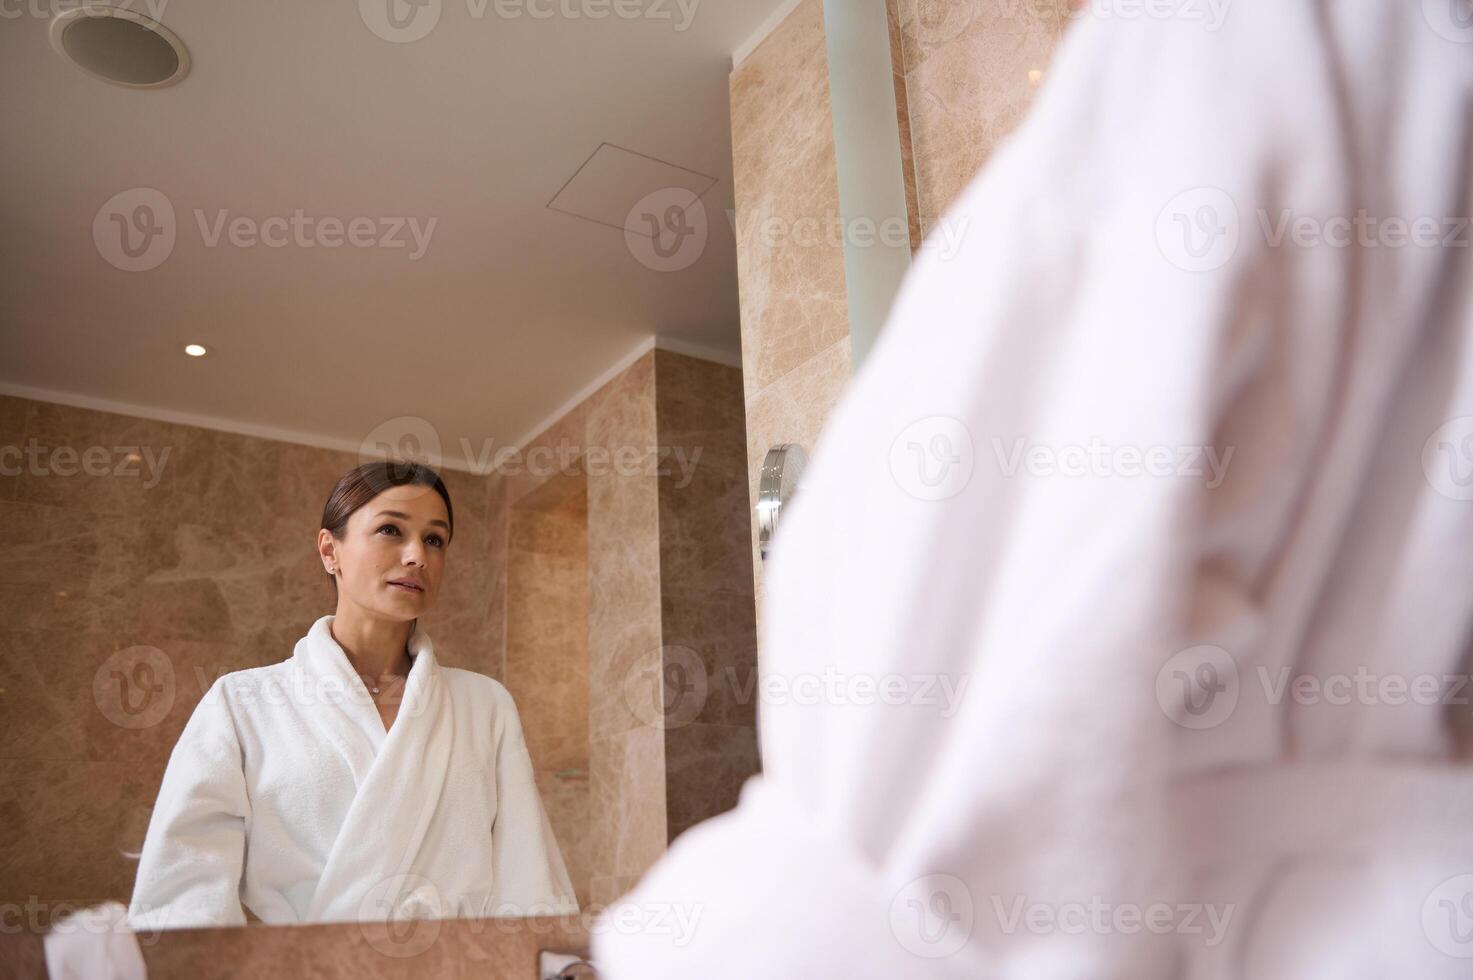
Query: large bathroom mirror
x=374, y=454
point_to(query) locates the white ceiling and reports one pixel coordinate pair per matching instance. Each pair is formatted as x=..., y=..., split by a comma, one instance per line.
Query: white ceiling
x=513, y=309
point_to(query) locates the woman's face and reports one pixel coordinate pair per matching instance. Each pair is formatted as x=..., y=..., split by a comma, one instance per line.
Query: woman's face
x=398, y=536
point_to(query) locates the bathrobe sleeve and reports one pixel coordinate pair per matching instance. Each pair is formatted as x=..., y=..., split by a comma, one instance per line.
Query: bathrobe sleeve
x=189, y=873
x=530, y=875
x=955, y=525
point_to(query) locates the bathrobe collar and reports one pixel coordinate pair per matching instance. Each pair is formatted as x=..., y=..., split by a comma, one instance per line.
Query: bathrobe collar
x=332, y=682
x=399, y=774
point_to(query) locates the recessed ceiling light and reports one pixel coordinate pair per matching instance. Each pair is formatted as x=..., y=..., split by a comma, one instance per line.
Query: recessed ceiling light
x=119, y=46
x=195, y=350
x=1035, y=76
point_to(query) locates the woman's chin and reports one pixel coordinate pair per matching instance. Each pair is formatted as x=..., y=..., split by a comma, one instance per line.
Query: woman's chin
x=401, y=606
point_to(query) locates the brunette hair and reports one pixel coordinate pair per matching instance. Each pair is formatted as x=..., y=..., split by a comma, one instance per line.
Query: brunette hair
x=364, y=482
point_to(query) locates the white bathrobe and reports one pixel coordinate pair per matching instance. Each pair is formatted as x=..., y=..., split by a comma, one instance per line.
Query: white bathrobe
x=1121, y=793
x=285, y=794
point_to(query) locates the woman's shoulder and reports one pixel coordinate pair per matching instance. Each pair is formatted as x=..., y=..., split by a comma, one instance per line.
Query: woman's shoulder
x=247, y=679
x=476, y=685
x=236, y=689
x=479, y=696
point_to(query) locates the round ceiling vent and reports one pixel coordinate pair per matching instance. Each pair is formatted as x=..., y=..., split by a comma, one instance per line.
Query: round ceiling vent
x=120, y=46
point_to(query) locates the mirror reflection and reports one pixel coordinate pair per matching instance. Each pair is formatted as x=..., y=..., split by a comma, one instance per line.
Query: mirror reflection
x=376, y=458
x=360, y=774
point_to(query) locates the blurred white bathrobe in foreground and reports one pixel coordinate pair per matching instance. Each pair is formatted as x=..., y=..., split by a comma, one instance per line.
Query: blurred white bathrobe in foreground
x=284, y=793
x=1128, y=789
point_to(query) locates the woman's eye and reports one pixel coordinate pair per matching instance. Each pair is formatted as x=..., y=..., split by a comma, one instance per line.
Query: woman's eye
x=438, y=541
x=389, y=527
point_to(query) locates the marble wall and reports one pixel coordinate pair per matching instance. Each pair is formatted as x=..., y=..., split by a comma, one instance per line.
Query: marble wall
x=546, y=665
x=627, y=751
x=795, y=320
x=128, y=587
x=965, y=72
x=448, y=949
x=708, y=605
x=653, y=465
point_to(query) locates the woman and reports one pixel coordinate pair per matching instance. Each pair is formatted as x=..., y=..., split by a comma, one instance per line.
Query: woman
x=359, y=779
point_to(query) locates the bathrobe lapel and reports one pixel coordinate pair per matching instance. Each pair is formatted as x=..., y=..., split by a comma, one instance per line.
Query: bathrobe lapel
x=398, y=775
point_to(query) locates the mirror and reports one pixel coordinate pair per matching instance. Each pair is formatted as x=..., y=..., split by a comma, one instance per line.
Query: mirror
x=373, y=448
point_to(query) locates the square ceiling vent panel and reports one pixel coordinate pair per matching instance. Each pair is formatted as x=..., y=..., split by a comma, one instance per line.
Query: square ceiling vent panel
x=613, y=180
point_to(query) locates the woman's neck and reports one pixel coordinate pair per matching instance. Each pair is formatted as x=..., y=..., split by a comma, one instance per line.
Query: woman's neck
x=375, y=646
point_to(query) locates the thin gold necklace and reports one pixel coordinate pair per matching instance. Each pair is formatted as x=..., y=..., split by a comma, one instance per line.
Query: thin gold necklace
x=370, y=682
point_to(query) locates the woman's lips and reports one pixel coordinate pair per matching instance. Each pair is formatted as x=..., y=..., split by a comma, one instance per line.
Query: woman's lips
x=406, y=588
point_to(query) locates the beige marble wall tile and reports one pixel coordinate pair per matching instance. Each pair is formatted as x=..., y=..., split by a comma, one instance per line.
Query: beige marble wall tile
x=708, y=617
x=791, y=267
x=623, y=550
x=705, y=767
x=929, y=26
x=553, y=451
x=568, y=800
x=498, y=523
x=793, y=410
x=547, y=666
x=793, y=303
x=64, y=818
x=13, y=412
x=968, y=84
x=710, y=657
x=627, y=793
x=69, y=570
x=703, y=513
x=626, y=761
x=547, y=631
x=962, y=83
x=447, y=949
x=79, y=459
x=608, y=889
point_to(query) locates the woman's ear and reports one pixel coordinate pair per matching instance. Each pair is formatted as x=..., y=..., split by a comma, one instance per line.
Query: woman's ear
x=326, y=550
